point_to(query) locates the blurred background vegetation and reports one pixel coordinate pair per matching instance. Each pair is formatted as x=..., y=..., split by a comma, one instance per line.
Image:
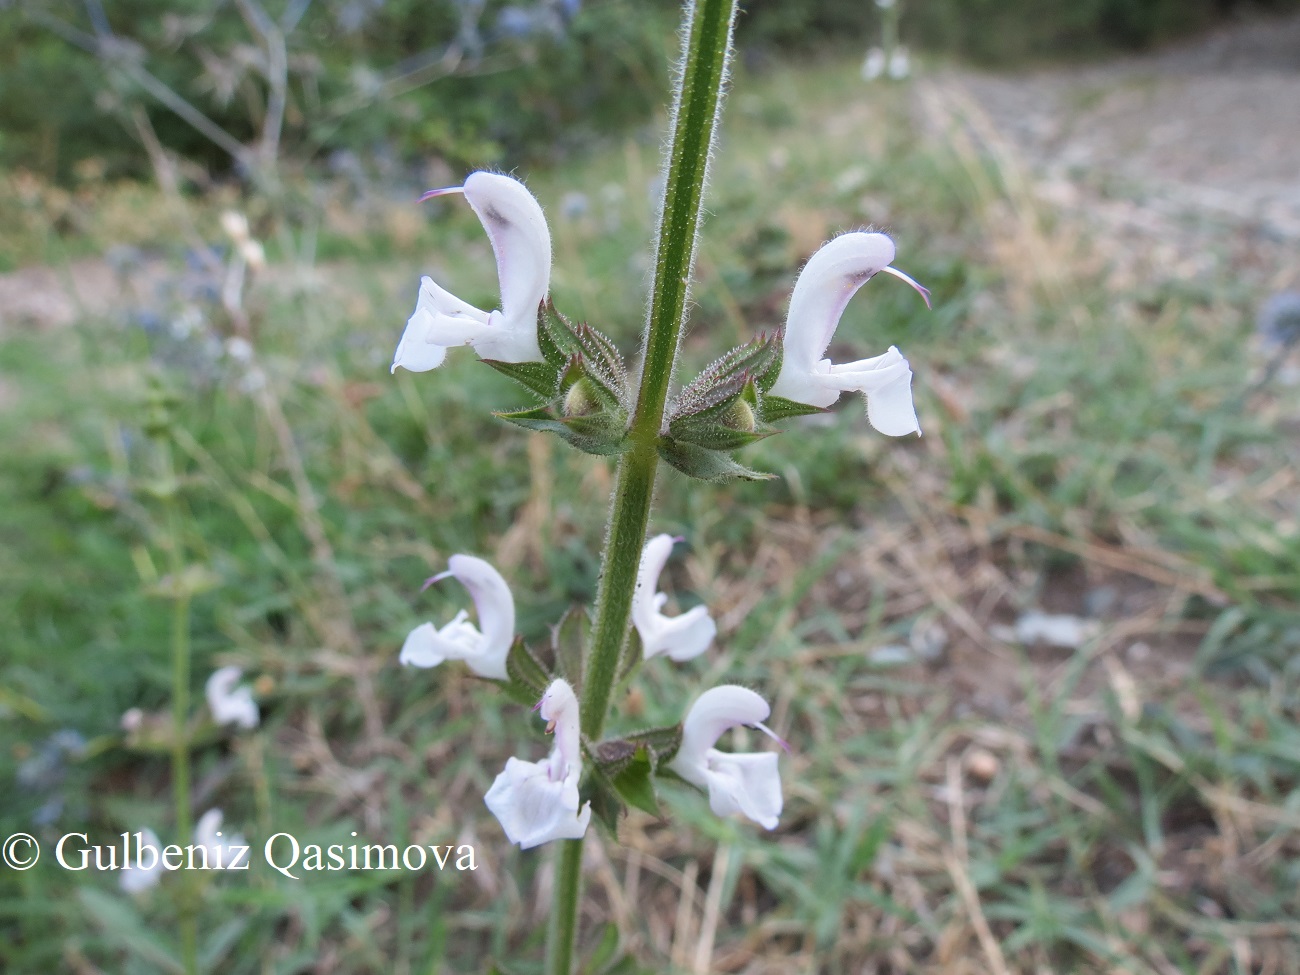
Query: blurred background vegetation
x=1110, y=438
x=515, y=81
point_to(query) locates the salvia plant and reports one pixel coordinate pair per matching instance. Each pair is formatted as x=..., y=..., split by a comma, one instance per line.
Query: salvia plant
x=584, y=393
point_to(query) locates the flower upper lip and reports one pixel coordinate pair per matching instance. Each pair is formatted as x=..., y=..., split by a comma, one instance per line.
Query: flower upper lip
x=830, y=278
x=521, y=241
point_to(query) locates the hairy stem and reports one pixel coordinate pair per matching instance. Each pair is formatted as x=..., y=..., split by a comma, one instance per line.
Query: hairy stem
x=696, y=106
x=698, y=99
x=563, y=933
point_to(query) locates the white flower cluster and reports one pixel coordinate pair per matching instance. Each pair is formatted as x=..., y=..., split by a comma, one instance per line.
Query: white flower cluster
x=536, y=802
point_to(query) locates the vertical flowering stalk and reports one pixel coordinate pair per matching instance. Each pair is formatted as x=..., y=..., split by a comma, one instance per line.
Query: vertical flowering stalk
x=160, y=426
x=697, y=103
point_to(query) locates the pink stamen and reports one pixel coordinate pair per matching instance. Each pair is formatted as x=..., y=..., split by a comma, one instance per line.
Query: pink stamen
x=678, y=539
x=774, y=736
x=445, y=191
x=432, y=579
x=923, y=291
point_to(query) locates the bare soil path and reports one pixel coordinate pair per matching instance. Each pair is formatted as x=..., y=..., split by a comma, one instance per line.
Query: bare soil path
x=1183, y=157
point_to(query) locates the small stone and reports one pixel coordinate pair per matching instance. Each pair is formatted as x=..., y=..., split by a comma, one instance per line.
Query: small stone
x=892, y=655
x=929, y=639
x=982, y=765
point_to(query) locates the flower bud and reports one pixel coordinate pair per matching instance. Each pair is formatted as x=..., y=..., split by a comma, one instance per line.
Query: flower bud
x=580, y=400
x=740, y=416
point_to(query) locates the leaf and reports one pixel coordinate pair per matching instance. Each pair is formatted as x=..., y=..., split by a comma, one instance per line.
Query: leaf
x=705, y=464
x=605, y=803
x=541, y=378
x=605, y=954
x=527, y=679
x=635, y=783
x=570, y=637
x=123, y=927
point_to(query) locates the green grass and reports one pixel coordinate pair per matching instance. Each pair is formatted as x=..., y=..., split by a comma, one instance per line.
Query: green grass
x=1117, y=808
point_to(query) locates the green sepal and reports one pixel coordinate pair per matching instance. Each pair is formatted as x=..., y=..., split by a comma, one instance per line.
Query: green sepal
x=561, y=340
x=603, y=358
x=600, y=434
x=635, y=783
x=717, y=387
x=526, y=677
x=552, y=333
x=605, y=803
x=612, y=755
x=569, y=639
x=663, y=742
x=705, y=464
x=629, y=768
x=540, y=378
x=715, y=436
x=773, y=408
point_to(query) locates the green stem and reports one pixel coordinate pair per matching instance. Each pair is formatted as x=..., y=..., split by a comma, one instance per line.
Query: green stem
x=180, y=647
x=181, y=771
x=563, y=933
x=696, y=106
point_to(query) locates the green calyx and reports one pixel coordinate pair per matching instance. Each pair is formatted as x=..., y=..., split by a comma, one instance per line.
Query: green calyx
x=624, y=770
x=581, y=382
x=722, y=410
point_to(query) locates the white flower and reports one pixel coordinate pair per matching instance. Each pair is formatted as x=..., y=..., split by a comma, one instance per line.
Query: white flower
x=874, y=65
x=899, y=65
x=229, y=704
x=681, y=637
x=521, y=241
x=744, y=782
x=827, y=282
x=222, y=851
x=537, y=802
x=485, y=651
x=134, y=878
